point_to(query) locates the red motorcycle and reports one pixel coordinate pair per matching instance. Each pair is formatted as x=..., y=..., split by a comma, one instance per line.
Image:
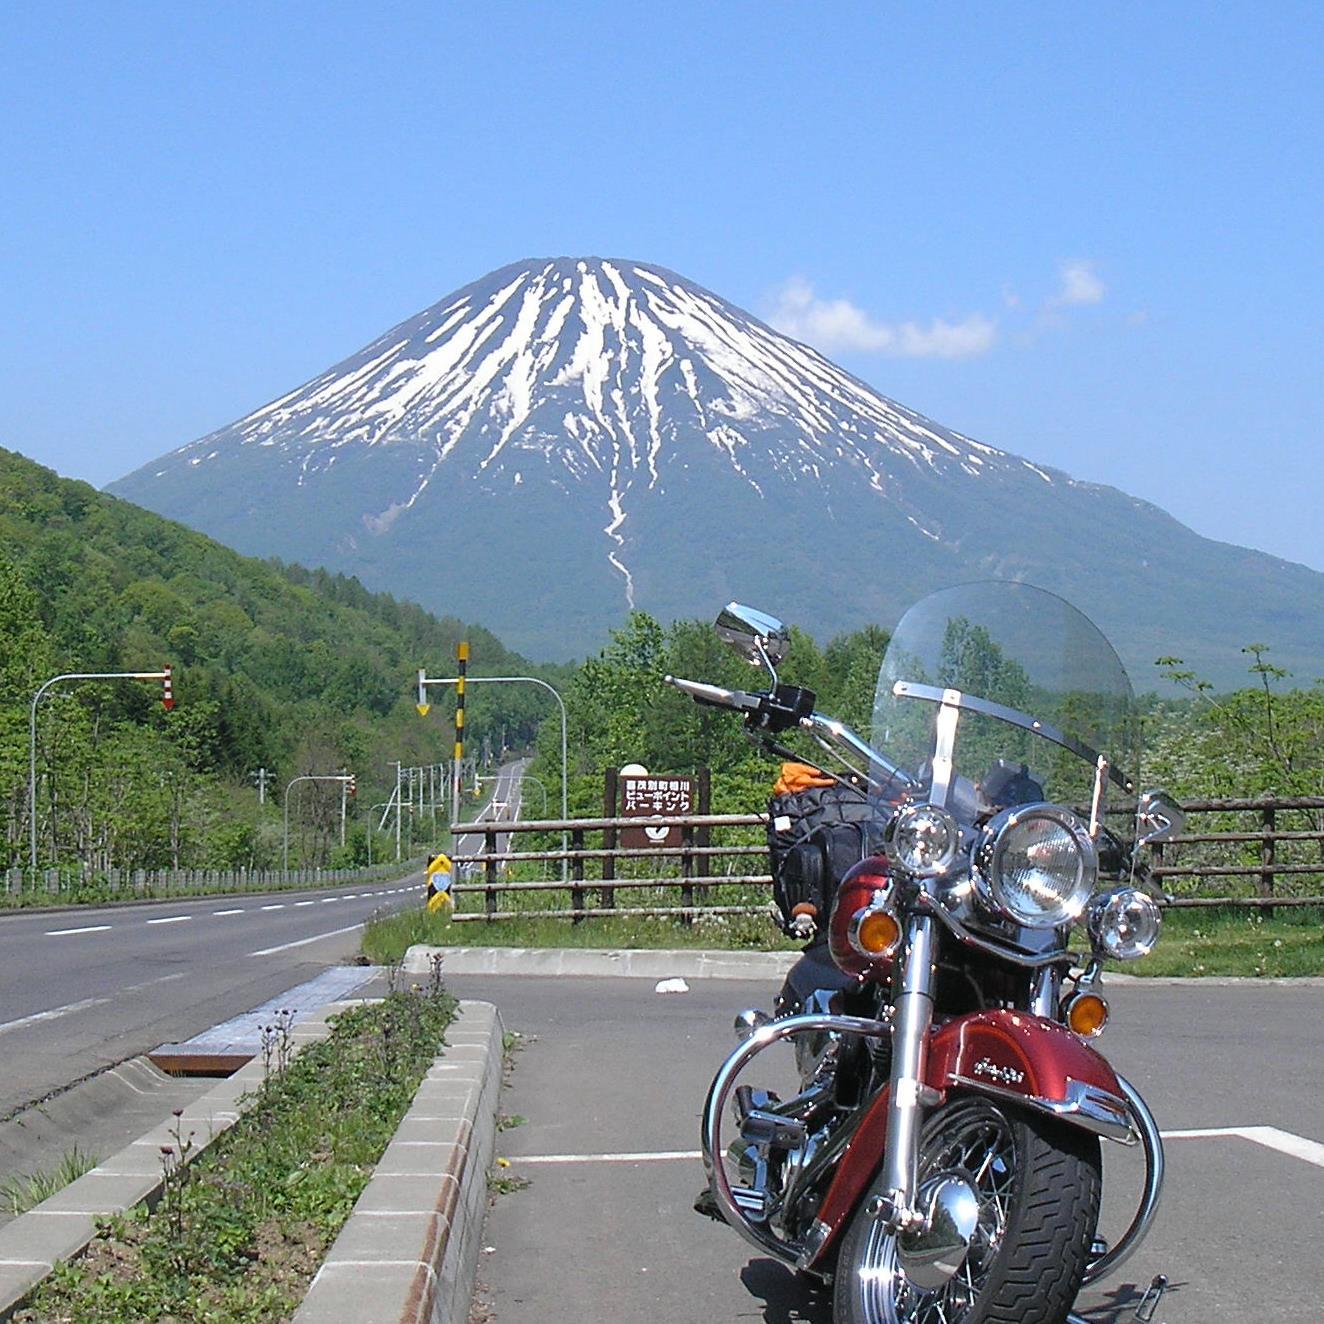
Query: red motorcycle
x=939, y=1161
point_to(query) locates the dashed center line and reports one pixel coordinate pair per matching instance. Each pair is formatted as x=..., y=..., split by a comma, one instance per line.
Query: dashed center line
x=89, y=928
x=228, y=912
x=170, y=919
x=280, y=905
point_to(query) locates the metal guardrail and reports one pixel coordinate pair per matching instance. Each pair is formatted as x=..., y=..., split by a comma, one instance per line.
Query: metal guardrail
x=1273, y=845
x=127, y=884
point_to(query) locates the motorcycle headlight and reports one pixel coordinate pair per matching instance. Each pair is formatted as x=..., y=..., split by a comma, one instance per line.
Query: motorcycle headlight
x=923, y=840
x=1124, y=924
x=1040, y=864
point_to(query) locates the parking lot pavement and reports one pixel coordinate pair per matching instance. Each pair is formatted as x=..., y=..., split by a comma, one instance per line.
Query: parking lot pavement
x=612, y=1075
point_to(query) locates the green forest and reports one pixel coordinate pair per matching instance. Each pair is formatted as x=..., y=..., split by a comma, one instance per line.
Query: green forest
x=302, y=672
x=278, y=667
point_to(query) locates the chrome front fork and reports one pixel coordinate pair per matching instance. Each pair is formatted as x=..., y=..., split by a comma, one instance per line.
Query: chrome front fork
x=912, y=1020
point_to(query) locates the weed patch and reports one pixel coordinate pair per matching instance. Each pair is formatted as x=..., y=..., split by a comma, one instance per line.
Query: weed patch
x=238, y=1234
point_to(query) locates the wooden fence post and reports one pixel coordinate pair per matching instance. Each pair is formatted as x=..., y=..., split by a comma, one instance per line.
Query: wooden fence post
x=610, y=808
x=490, y=871
x=687, y=871
x=1268, y=854
x=577, y=875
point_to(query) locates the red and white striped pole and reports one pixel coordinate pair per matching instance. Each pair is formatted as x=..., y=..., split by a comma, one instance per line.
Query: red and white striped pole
x=167, y=687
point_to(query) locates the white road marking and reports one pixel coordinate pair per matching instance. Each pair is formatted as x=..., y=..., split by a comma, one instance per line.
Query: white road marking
x=170, y=919
x=327, y=899
x=1284, y=1142
x=297, y=904
x=227, y=912
x=52, y=1014
x=280, y=905
x=303, y=942
x=89, y=928
x=55, y=1012
x=658, y=1156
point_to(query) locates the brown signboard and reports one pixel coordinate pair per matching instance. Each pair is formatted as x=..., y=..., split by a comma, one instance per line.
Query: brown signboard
x=654, y=797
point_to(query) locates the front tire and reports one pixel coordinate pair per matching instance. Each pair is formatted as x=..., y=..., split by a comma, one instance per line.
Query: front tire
x=1038, y=1184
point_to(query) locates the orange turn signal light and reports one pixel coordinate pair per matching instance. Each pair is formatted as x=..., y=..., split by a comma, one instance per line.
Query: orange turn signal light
x=1087, y=1014
x=877, y=933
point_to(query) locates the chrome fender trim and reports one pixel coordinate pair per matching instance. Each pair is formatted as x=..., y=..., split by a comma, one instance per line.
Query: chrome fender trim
x=715, y=1106
x=1086, y=1106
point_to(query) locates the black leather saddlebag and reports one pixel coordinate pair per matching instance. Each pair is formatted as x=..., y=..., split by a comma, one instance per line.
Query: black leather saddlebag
x=814, y=837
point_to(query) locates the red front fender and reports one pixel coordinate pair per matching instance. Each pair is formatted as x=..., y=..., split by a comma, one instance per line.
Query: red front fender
x=1007, y=1054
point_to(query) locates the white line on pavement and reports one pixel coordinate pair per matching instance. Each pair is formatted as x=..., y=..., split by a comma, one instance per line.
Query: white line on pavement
x=303, y=942
x=89, y=928
x=170, y=919
x=227, y=912
x=52, y=1013
x=1284, y=1142
x=280, y=905
x=297, y=904
x=659, y=1156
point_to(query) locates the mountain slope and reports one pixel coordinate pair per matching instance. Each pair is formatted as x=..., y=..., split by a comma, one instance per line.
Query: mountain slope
x=566, y=438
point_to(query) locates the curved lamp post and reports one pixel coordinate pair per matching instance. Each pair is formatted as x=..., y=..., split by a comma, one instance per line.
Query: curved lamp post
x=425, y=681
x=343, y=778
x=168, y=699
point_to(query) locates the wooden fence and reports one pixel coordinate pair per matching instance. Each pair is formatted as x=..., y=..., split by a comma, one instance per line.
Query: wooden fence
x=1265, y=853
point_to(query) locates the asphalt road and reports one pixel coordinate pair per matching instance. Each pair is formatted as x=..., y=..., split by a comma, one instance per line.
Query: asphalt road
x=612, y=1077
x=83, y=988
x=503, y=805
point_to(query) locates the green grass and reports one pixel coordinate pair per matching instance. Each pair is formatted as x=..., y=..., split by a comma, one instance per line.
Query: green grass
x=19, y=1194
x=1194, y=942
x=386, y=939
x=237, y=1235
x=1236, y=941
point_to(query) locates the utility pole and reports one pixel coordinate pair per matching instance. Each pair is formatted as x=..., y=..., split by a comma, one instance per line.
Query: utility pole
x=260, y=777
x=398, y=808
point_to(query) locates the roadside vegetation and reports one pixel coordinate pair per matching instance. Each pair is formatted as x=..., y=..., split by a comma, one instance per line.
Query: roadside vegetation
x=238, y=1233
x=20, y=1193
x=275, y=666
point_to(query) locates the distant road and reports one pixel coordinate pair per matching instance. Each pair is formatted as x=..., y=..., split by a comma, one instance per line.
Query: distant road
x=82, y=988
x=503, y=806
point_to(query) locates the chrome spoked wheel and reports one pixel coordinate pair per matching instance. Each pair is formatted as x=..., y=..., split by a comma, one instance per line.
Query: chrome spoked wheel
x=1016, y=1171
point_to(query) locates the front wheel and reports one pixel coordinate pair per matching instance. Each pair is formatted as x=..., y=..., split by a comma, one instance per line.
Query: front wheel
x=1037, y=1184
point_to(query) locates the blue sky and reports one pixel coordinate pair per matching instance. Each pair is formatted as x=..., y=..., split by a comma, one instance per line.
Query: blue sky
x=1088, y=235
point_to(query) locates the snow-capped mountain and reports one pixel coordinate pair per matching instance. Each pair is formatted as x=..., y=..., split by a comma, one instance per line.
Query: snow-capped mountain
x=568, y=438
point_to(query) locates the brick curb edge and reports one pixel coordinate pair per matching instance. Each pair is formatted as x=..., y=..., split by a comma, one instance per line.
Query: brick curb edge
x=409, y=1252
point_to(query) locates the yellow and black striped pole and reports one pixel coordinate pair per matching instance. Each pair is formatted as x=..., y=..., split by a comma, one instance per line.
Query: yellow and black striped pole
x=462, y=657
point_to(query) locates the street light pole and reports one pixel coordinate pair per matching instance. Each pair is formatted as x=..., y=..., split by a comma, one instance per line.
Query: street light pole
x=425, y=681
x=169, y=701
x=343, y=778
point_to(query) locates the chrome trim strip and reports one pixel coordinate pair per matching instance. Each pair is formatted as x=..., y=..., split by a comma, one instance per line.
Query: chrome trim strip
x=909, y=689
x=1005, y=953
x=1086, y=1106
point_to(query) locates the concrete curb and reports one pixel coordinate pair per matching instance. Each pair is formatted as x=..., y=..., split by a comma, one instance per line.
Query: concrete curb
x=693, y=964
x=640, y=964
x=61, y=1227
x=409, y=1252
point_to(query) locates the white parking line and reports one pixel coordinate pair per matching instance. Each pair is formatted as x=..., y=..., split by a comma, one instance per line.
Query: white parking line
x=656, y=1156
x=1284, y=1142
x=170, y=919
x=89, y=928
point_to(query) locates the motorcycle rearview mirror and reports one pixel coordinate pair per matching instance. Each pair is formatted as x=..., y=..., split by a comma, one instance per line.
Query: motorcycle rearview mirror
x=762, y=640
x=1158, y=818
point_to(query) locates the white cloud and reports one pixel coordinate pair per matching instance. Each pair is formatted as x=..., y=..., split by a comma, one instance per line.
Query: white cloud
x=837, y=324
x=1080, y=284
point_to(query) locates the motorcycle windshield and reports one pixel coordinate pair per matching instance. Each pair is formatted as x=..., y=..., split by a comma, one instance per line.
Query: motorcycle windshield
x=1041, y=695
